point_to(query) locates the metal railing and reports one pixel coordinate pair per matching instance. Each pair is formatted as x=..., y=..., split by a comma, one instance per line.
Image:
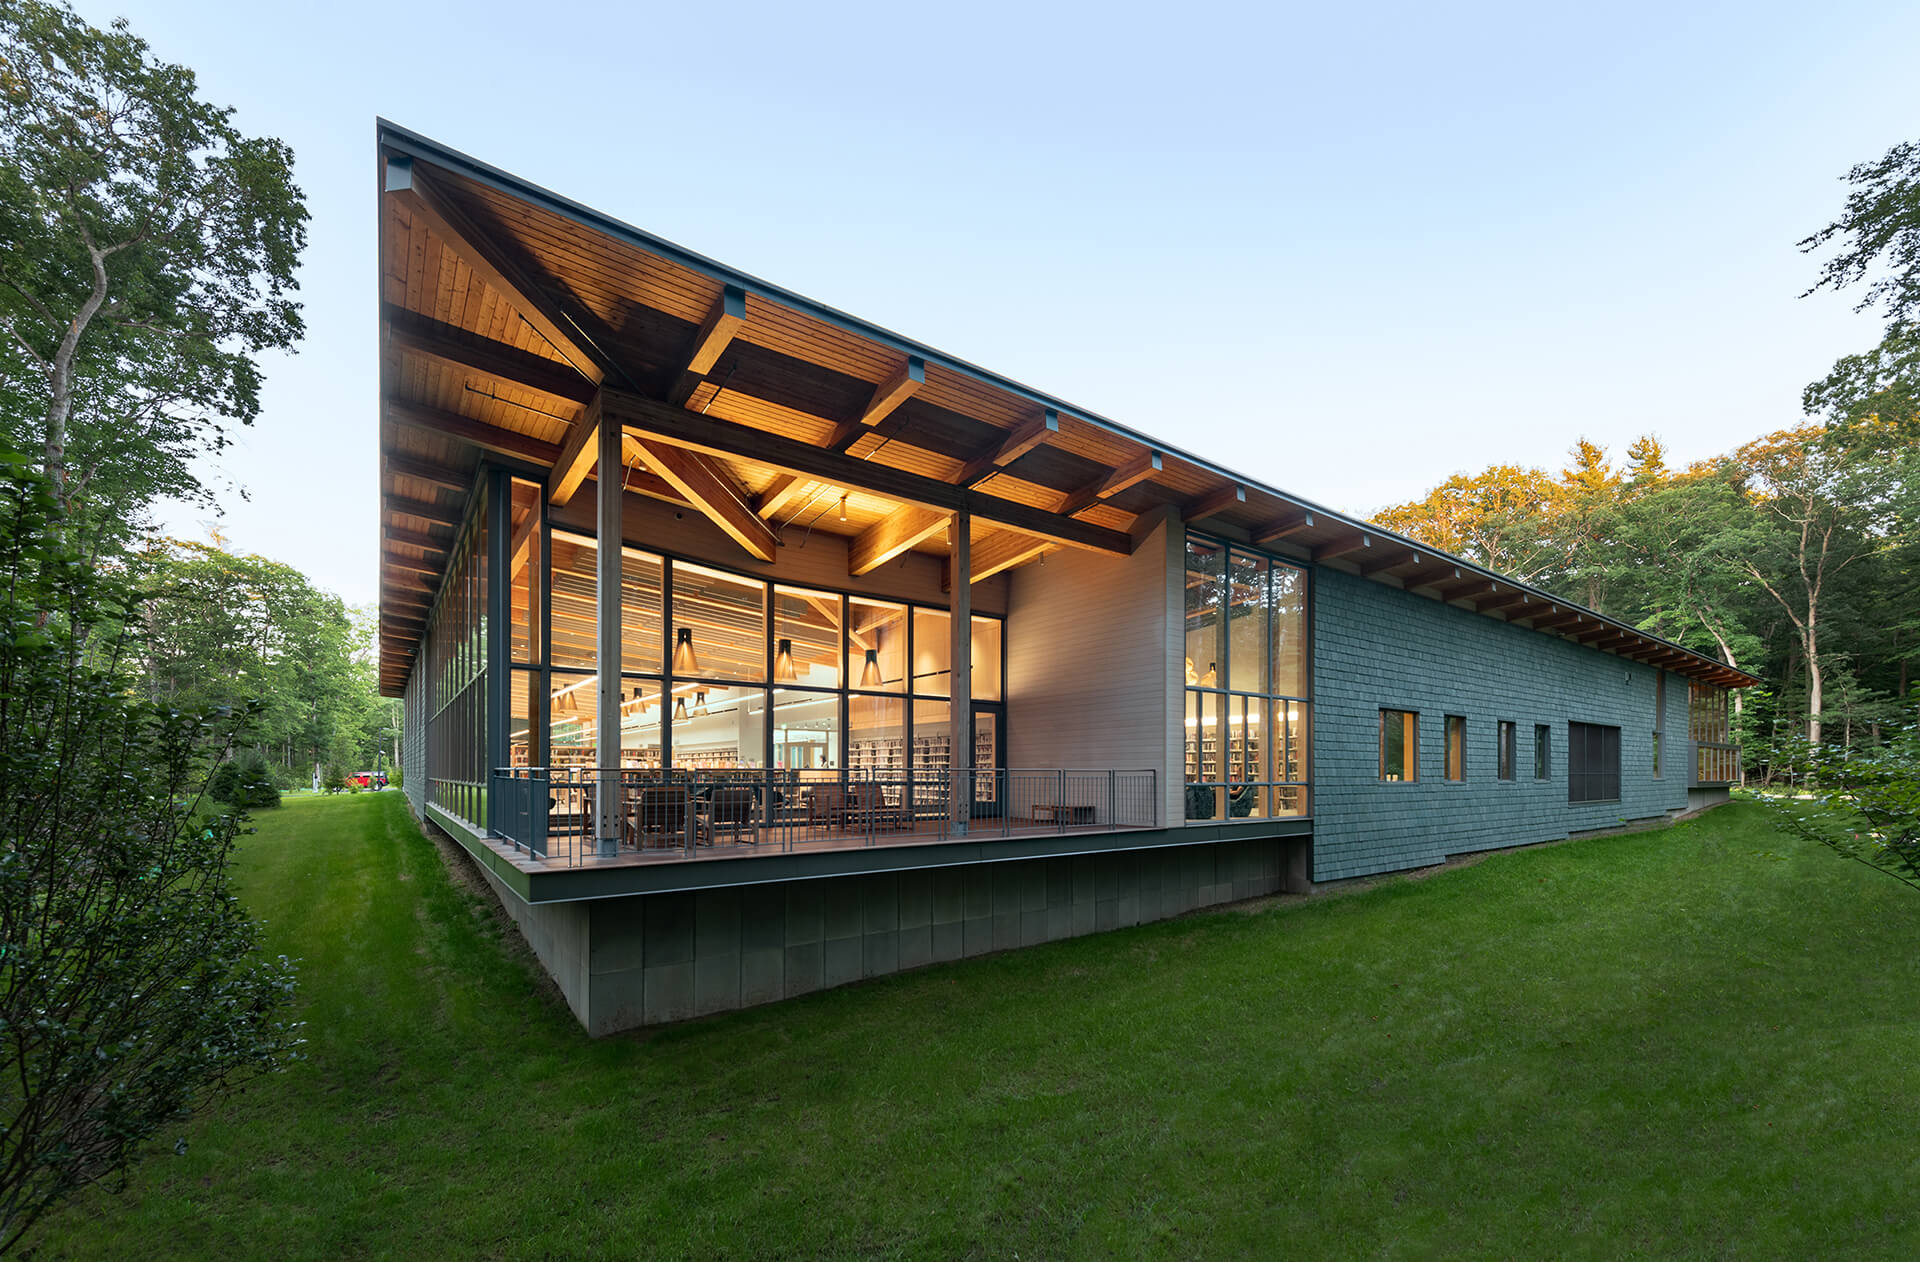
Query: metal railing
x=553, y=812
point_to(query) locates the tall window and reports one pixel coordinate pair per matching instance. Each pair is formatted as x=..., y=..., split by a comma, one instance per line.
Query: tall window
x=1399, y=746
x=1247, y=716
x=1659, y=717
x=1456, y=747
x=1593, y=763
x=1506, y=749
x=1542, y=751
x=457, y=648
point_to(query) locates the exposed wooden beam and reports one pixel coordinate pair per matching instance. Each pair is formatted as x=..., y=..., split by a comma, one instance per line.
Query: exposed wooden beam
x=408, y=185
x=1390, y=562
x=1557, y=618
x=894, y=391
x=576, y=456
x=726, y=317
x=1341, y=547
x=496, y=361
x=415, y=539
x=422, y=509
x=729, y=313
x=727, y=439
x=1019, y=441
x=1108, y=485
x=782, y=491
x=479, y=434
x=892, y=535
x=1456, y=591
x=709, y=488
x=887, y=396
x=1291, y=524
x=425, y=471
x=1217, y=502
x=408, y=564
x=1001, y=550
x=1503, y=601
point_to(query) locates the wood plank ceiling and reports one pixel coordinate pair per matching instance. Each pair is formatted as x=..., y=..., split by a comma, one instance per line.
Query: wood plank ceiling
x=513, y=322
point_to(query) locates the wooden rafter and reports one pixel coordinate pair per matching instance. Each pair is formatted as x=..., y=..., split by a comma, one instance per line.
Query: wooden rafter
x=408, y=564
x=1105, y=487
x=408, y=184
x=887, y=396
x=709, y=488
x=1284, y=527
x=727, y=439
x=429, y=339
x=422, y=509
x=1001, y=550
x=726, y=318
x=782, y=491
x=897, y=532
x=486, y=437
x=1018, y=442
x=415, y=539
x=425, y=471
x=1341, y=547
x=1390, y=562
x=1218, y=502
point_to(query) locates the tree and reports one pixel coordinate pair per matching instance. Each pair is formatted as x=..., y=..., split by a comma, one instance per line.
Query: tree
x=151, y=252
x=1818, y=502
x=131, y=985
x=1500, y=517
x=227, y=630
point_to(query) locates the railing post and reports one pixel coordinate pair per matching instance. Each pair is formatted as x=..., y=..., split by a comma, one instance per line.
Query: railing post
x=1110, y=775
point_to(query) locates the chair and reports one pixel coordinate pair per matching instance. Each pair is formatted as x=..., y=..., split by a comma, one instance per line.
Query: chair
x=661, y=812
x=737, y=810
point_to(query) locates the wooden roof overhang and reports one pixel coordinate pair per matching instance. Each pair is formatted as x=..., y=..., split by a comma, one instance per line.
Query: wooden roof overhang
x=514, y=322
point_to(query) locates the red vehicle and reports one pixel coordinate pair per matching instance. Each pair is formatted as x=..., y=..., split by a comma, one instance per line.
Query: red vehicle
x=365, y=779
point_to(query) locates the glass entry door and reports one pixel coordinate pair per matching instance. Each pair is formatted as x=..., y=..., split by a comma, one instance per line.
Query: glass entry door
x=987, y=788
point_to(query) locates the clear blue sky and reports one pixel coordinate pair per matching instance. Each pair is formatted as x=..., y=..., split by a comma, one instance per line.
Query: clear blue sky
x=1348, y=250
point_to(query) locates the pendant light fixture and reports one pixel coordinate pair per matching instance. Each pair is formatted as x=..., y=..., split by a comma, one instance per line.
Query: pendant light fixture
x=685, y=661
x=700, y=703
x=843, y=508
x=870, y=673
x=1191, y=677
x=1212, y=677
x=783, y=672
x=680, y=709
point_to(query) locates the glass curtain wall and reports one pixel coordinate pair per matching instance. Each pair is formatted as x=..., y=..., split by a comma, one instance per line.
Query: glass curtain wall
x=1247, y=714
x=722, y=673
x=457, y=644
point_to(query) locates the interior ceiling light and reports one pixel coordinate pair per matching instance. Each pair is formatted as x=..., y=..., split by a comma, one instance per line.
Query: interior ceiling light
x=699, y=703
x=685, y=661
x=783, y=671
x=843, y=508
x=679, y=709
x=870, y=674
x=1212, y=677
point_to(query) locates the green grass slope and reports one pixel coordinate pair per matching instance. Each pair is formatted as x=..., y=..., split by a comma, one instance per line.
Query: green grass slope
x=1699, y=1041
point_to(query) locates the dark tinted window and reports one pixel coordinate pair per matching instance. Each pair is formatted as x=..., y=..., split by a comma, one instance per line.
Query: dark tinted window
x=1593, y=763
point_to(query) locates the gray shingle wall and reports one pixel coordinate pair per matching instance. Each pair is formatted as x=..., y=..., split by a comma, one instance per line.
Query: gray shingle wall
x=1376, y=646
x=666, y=957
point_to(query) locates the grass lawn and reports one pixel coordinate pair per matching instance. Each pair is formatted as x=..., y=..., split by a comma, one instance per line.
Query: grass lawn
x=1702, y=1041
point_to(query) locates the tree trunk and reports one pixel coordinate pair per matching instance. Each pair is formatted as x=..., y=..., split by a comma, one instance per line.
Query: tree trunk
x=1815, y=698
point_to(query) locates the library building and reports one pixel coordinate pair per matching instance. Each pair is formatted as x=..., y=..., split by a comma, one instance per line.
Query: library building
x=750, y=648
